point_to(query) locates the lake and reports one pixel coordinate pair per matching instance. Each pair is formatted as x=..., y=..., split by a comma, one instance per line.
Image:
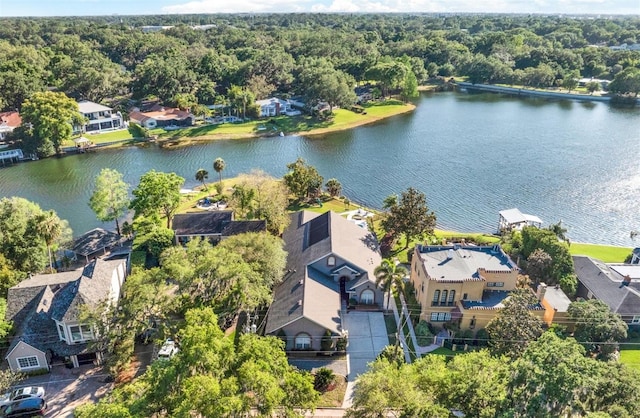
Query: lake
x=471, y=154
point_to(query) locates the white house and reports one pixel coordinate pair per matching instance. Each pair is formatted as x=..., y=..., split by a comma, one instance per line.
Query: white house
x=274, y=107
x=99, y=118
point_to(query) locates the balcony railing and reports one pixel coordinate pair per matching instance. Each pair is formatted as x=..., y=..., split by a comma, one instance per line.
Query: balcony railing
x=452, y=303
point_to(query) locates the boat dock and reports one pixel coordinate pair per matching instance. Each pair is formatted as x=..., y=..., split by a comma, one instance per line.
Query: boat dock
x=13, y=156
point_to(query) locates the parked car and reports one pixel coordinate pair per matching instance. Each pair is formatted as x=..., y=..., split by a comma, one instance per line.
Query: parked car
x=168, y=350
x=29, y=407
x=22, y=393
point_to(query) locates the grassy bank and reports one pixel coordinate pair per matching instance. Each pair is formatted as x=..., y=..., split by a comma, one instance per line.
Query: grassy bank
x=606, y=253
x=291, y=125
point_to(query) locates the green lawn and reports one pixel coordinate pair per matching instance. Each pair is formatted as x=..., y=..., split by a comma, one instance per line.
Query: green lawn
x=631, y=358
x=606, y=253
x=104, y=137
x=341, y=119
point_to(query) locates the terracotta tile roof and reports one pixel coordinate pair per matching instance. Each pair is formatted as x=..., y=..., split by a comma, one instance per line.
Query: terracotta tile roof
x=11, y=119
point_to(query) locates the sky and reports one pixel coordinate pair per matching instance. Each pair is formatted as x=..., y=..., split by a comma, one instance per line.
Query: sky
x=142, y=7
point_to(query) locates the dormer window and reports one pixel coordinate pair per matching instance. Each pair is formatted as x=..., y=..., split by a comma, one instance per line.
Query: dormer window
x=331, y=261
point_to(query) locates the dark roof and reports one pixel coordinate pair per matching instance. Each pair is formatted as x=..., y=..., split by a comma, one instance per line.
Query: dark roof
x=604, y=284
x=93, y=241
x=201, y=223
x=307, y=292
x=214, y=223
x=241, y=227
x=35, y=303
x=318, y=229
x=494, y=299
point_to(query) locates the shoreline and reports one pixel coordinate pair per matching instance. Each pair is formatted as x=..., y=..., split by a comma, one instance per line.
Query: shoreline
x=526, y=92
x=186, y=140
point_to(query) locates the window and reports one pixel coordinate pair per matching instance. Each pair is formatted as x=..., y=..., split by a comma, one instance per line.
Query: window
x=331, y=261
x=28, y=362
x=636, y=319
x=80, y=333
x=495, y=284
x=440, y=316
x=303, y=341
x=444, y=297
x=367, y=297
x=452, y=296
x=464, y=296
x=61, y=332
x=436, y=296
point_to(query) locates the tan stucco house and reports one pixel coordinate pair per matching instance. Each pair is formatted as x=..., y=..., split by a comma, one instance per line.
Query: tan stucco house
x=330, y=261
x=45, y=311
x=463, y=284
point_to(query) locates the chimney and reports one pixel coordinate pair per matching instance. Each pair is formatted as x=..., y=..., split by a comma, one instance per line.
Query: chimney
x=542, y=289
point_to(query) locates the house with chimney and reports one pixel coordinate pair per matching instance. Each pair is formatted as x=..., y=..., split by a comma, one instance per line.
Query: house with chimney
x=46, y=312
x=616, y=284
x=464, y=284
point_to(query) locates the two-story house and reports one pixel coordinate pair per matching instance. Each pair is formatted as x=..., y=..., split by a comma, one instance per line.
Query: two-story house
x=464, y=284
x=330, y=261
x=274, y=106
x=99, y=118
x=46, y=313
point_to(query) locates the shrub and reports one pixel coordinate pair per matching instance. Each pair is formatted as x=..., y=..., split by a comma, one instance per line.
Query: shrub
x=423, y=334
x=323, y=379
x=327, y=341
x=341, y=344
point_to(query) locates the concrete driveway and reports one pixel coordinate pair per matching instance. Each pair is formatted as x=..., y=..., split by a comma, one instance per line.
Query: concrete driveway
x=367, y=337
x=65, y=389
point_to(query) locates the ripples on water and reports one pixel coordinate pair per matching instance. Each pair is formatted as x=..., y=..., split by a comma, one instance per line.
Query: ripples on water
x=472, y=155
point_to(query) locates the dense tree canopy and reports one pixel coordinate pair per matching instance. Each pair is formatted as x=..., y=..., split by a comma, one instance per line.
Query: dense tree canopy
x=48, y=117
x=107, y=58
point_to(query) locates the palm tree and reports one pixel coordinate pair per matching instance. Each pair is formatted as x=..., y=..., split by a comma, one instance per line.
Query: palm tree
x=219, y=165
x=559, y=230
x=390, y=275
x=333, y=187
x=202, y=175
x=49, y=227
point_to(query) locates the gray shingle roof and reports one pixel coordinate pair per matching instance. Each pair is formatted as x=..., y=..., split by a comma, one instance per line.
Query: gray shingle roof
x=604, y=283
x=305, y=291
x=93, y=241
x=33, y=304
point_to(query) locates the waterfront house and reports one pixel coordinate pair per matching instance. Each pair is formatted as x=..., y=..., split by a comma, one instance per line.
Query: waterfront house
x=213, y=226
x=8, y=122
x=511, y=219
x=94, y=243
x=274, y=106
x=98, y=118
x=330, y=264
x=606, y=282
x=462, y=284
x=160, y=117
x=46, y=313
